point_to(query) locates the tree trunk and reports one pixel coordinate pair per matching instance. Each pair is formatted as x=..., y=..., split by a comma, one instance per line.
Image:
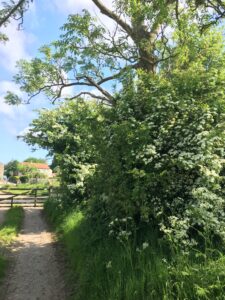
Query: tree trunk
x=145, y=42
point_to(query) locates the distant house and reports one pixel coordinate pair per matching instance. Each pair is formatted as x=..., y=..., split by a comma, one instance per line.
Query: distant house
x=1, y=171
x=42, y=168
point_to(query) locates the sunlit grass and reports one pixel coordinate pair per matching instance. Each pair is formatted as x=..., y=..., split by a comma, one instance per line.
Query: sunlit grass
x=11, y=225
x=104, y=269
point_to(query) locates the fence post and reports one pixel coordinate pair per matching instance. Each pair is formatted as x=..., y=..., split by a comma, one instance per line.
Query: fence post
x=35, y=197
x=12, y=201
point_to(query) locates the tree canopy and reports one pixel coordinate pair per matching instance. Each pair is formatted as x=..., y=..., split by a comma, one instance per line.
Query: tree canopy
x=154, y=155
x=11, y=168
x=91, y=59
x=35, y=160
x=156, y=158
x=146, y=171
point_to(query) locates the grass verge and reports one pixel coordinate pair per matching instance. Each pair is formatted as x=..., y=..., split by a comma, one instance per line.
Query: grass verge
x=8, y=231
x=106, y=269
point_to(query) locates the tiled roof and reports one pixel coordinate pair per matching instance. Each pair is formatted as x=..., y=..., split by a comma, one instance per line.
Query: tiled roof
x=36, y=165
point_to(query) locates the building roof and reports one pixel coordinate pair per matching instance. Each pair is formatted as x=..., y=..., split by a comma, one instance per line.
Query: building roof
x=39, y=166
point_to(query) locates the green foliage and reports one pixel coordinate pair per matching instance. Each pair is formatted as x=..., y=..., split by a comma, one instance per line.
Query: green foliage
x=11, y=168
x=64, y=133
x=148, y=35
x=14, y=179
x=17, y=172
x=156, y=159
x=12, y=9
x=148, y=171
x=162, y=157
x=35, y=160
x=12, y=99
x=24, y=178
x=103, y=268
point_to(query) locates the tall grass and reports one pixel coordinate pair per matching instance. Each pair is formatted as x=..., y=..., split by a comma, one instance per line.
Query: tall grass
x=106, y=269
x=8, y=231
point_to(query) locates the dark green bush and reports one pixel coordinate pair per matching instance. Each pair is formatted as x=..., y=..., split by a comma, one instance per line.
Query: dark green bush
x=24, y=179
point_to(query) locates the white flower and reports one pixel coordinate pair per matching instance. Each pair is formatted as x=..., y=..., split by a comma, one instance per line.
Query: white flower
x=145, y=245
x=109, y=265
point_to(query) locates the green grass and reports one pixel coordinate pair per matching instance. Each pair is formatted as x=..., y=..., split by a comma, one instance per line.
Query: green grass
x=8, y=231
x=26, y=185
x=104, y=269
x=11, y=225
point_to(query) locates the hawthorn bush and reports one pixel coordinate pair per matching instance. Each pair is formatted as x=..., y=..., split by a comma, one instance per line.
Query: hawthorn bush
x=156, y=158
x=162, y=157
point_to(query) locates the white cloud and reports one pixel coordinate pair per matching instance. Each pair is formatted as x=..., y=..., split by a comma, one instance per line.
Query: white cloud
x=67, y=92
x=15, y=48
x=75, y=6
x=6, y=109
x=13, y=118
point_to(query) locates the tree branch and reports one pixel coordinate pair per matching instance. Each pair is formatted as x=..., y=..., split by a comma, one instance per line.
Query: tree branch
x=109, y=13
x=106, y=101
x=103, y=91
x=11, y=12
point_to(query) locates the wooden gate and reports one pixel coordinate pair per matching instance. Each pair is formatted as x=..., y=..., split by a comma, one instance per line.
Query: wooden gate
x=23, y=196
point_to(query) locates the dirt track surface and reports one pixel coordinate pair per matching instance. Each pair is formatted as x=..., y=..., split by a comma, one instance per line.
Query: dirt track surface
x=35, y=274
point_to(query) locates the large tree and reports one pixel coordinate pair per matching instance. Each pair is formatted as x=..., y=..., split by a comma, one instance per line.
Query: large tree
x=147, y=35
x=158, y=154
x=156, y=158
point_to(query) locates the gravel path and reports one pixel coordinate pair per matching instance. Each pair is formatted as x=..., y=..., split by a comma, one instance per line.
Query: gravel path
x=35, y=274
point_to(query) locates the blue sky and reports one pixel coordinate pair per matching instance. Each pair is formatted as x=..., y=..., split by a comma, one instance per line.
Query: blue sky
x=41, y=26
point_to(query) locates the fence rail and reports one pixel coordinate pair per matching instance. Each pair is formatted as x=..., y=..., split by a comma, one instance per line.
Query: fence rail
x=24, y=195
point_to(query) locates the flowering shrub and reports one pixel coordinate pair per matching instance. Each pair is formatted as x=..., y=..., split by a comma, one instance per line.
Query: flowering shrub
x=156, y=158
x=162, y=156
x=64, y=133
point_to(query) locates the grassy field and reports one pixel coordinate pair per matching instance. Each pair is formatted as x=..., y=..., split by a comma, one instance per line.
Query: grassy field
x=105, y=269
x=8, y=231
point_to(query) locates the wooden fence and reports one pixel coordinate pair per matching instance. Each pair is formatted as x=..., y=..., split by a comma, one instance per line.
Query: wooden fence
x=16, y=195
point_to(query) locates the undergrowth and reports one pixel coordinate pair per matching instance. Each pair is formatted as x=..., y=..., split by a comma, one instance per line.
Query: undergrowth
x=103, y=268
x=8, y=231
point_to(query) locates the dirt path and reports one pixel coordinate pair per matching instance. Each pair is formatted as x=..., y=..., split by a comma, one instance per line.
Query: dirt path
x=35, y=274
